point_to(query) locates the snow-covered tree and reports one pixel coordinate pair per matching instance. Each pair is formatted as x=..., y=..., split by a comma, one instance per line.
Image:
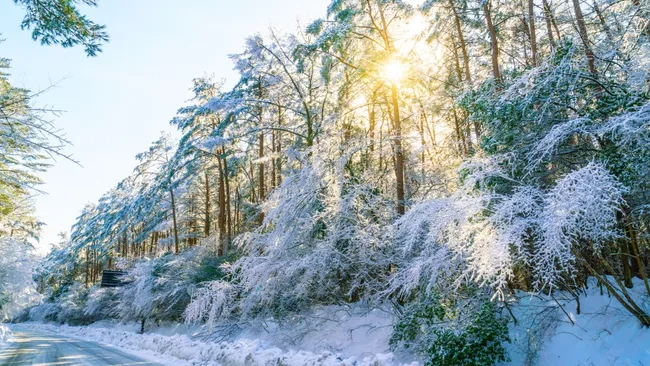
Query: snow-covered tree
x=17, y=289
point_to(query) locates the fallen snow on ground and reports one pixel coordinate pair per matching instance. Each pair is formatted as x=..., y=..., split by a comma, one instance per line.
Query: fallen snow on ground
x=348, y=331
x=353, y=334
x=604, y=333
x=185, y=351
x=4, y=335
x=549, y=331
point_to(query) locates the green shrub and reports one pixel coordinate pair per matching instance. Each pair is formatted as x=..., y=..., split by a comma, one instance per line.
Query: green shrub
x=448, y=334
x=209, y=267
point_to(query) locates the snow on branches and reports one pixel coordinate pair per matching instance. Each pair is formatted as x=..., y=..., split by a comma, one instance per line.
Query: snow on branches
x=493, y=232
x=17, y=289
x=631, y=130
x=212, y=302
x=581, y=207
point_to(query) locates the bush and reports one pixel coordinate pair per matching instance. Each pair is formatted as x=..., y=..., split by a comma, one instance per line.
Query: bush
x=72, y=304
x=446, y=335
x=47, y=311
x=67, y=307
x=101, y=303
x=160, y=289
x=210, y=267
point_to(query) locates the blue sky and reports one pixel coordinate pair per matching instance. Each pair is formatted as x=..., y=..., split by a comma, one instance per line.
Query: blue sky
x=117, y=103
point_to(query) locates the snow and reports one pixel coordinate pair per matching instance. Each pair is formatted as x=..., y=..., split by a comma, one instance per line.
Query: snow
x=330, y=335
x=17, y=262
x=353, y=331
x=546, y=334
x=604, y=333
x=39, y=347
x=4, y=335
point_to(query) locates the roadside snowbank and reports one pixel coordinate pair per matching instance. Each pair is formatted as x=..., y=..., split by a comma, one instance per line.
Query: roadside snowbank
x=348, y=331
x=186, y=351
x=4, y=335
x=549, y=331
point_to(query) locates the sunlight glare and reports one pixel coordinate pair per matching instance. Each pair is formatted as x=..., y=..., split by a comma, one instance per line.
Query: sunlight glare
x=394, y=71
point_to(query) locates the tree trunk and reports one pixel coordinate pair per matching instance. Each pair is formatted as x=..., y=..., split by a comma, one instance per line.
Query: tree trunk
x=582, y=29
x=462, y=147
x=468, y=137
x=399, y=155
x=371, y=135
x=222, y=211
x=97, y=264
x=423, y=144
x=261, y=153
x=237, y=204
x=93, y=266
x=459, y=73
x=461, y=39
x=523, y=43
x=273, y=166
x=171, y=192
x=634, y=248
x=206, y=224
x=125, y=244
x=549, y=29
x=262, y=189
x=552, y=19
x=493, y=40
x=252, y=179
x=430, y=129
x=625, y=261
x=533, y=38
x=87, y=265
x=608, y=32
x=279, y=159
x=226, y=180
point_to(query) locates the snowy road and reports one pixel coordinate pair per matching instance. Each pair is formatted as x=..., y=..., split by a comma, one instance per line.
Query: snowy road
x=42, y=348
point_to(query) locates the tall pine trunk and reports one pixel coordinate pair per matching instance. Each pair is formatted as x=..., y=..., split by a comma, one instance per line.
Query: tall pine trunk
x=461, y=39
x=547, y=19
x=493, y=40
x=551, y=17
x=171, y=192
x=398, y=158
x=206, y=223
x=262, y=188
x=399, y=154
x=584, y=36
x=533, y=37
x=226, y=181
x=87, y=265
x=222, y=211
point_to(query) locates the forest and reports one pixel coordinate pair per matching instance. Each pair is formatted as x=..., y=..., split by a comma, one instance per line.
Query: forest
x=446, y=160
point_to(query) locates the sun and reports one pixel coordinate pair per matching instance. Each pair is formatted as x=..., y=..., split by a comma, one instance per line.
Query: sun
x=393, y=71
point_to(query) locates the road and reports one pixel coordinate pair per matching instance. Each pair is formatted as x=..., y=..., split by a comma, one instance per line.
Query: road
x=35, y=347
